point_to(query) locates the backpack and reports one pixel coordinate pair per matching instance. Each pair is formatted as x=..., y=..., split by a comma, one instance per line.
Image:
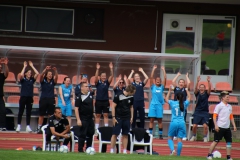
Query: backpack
x=9, y=120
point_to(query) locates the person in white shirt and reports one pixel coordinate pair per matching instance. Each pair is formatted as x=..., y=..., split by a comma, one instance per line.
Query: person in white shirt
x=221, y=117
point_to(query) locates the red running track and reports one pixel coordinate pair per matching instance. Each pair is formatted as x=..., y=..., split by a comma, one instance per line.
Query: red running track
x=12, y=140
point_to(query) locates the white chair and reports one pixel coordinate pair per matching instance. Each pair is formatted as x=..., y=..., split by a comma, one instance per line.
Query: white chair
x=190, y=129
x=54, y=140
x=107, y=139
x=134, y=142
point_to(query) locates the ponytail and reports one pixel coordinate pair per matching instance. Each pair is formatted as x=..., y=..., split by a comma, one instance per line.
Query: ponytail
x=180, y=98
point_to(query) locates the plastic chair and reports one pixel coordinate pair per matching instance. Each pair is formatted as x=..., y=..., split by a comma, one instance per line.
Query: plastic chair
x=13, y=99
x=168, y=83
x=74, y=80
x=35, y=100
x=213, y=99
x=223, y=72
x=11, y=78
x=106, y=138
x=189, y=135
x=11, y=89
x=236, y=110
x=134, y=142
x=166, y=106
x=223, y=86
x=61, y=78
x=54, y=140
x=209, y=72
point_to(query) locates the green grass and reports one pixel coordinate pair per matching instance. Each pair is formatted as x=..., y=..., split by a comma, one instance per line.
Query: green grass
x=179, y=51
x=38, y=155
x=216, y=61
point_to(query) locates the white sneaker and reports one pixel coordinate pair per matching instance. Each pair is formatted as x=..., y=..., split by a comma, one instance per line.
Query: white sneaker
x=18, y=129
x=28, y=129
x=184, y=138
x=209, y=157
x=172, y=153
x=205, y=139
x=174, y=138
x=193, y=138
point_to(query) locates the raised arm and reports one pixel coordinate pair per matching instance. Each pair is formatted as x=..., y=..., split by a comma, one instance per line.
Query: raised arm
x=209, y=85
x=116, y=84
x=111, y=73
x=188, y=94
x=44, y=72
x=130, y=76
x=175, y=79
x=6, y=71
x=164, y=76
x=168, y=94
x=55, y=75
x=152, y=74
x=144, y=74
x=34, y=69
x=188, y=80
x=196, y=87
x=23, y=70
x=97, y=72
x=126, y=80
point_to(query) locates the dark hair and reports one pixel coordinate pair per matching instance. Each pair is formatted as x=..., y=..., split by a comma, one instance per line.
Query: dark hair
x=121, y=80
x=102, y=73
x=83, y=83
x=223, y=94
x=56, y=108
x=202, y=85
x=180, y=98
x=130, y=88
x=47, y=73
x=65, y=78
x=26, y=70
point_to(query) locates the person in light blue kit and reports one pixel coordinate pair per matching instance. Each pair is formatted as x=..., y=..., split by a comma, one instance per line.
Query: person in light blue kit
x=64, y=98
x=177, y=127
x=157, y=101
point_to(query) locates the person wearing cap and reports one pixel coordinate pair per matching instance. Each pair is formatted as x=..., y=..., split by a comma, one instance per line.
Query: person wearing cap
x=222, y=116
x=26, y=95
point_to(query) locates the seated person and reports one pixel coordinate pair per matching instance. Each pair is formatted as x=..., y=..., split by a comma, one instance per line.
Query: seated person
x=58, y=126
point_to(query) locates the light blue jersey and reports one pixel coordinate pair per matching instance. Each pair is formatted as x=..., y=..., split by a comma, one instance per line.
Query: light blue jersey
x=66, y=92
x=177, y=114
x=157, y=94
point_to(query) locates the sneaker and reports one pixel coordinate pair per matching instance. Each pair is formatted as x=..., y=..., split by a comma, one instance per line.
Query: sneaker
x=28, y=129
x=194, y=138
x=160, y=137
x=230, y=159
x=4, y=129
x=184, y=138
x=174, y=138
x=209, y=157
x=18, y=129
x=205, y=139
x=172, y=153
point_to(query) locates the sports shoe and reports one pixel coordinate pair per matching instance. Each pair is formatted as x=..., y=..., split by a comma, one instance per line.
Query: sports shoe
x=28, y=129
x=205, y=139
x=4, y=129
x=18, y=129
x=160, y=137
x=209, y=157
x=174, y=138
x=230, y=159
x=193, y=138
x=172, y=153
x=184, y=138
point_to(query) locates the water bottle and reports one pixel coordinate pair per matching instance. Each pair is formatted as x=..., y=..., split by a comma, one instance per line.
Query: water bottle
x=156, y=135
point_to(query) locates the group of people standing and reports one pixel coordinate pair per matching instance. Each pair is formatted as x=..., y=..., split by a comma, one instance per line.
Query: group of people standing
x=128, y=102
